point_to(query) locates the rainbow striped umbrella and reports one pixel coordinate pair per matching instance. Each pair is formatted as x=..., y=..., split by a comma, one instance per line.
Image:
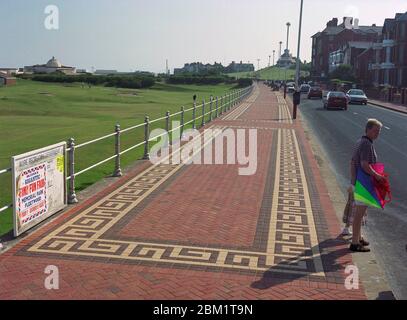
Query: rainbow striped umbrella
x=366, y=191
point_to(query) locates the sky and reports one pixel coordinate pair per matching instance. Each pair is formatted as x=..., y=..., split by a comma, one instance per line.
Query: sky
x=129, y=35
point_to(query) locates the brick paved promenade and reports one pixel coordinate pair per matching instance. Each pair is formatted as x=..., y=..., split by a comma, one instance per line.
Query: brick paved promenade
x=171, y=231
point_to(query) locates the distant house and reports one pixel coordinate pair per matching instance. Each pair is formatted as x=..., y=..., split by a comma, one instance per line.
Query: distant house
x=198, y=67
x=6, y=80
x=239, y=67
x=337, y=43
x=9, y=71
x=347, y=54
x=105, y=72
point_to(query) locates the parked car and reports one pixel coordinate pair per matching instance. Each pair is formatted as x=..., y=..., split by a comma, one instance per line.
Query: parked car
x=290, y=89
x=315, y=92
x=356, y=96
x=336, y=99
x=305, y=88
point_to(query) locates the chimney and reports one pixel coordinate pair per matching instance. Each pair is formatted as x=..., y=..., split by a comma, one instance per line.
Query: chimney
x=332, y=23
x=350, y=20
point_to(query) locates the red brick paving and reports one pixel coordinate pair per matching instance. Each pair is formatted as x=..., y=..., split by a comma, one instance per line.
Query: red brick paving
x=190, y=215
x=188, y=204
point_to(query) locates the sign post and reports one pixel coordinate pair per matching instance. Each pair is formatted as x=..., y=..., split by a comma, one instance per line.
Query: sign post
x=39, y=186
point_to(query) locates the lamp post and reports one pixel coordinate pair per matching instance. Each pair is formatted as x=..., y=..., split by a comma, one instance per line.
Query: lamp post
x=274, y=53
x=288, y=33
x=297, y=69
x=280, y=43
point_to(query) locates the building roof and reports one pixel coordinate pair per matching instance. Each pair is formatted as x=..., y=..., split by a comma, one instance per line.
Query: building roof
x=54, y=63
x=333, y=29
x=316, y=35
x=389, y=23
x=402, y=17
x=372, y=29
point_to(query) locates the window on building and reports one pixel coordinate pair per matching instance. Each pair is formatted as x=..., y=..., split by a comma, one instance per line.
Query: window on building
x=401, y=54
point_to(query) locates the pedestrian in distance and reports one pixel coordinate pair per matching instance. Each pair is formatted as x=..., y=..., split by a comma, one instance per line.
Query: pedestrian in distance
x=364, y=155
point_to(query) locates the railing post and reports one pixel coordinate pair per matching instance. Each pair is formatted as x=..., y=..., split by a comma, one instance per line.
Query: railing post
x=210, y=109
x=167, y=128
x=71, y=193
x=182, y=121
x=216, y=112
x=220, y=106
x=167, y=122
x=146, y=138
x=203, y=112
x=117, y=170
x=227, y=102
x=194, y=115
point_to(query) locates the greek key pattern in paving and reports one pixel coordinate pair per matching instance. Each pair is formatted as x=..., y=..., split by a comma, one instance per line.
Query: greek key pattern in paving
x=292, y=229
x=292, y=245
x=284, y=115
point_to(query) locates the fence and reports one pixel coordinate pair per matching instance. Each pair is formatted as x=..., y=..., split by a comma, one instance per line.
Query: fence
x=217, y=106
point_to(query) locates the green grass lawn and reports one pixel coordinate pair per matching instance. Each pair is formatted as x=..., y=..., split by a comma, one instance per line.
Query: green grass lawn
x=270, y=73
x=35, y=115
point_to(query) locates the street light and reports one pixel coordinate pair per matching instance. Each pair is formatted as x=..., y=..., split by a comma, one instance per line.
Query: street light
x=297, y=69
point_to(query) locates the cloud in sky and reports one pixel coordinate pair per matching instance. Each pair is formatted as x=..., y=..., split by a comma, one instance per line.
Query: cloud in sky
x=142, y=34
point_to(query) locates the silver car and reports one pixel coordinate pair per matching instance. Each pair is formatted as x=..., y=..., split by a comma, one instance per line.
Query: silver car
x=356, y=96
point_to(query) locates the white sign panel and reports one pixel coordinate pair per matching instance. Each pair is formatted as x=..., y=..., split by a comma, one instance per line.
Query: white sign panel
x=39, y=188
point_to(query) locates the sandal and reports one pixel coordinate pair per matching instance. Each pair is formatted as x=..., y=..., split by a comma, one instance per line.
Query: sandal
x=364, y=243
x=358, y=248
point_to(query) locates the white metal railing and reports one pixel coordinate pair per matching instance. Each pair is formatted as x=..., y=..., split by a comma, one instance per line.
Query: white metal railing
x=217, y=106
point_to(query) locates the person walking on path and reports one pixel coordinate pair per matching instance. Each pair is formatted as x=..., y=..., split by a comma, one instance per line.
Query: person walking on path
x=363, y=156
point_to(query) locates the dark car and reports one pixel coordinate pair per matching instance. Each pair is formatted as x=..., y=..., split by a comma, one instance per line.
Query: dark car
x=315, y=92
x=336, y=99
x=305, y=88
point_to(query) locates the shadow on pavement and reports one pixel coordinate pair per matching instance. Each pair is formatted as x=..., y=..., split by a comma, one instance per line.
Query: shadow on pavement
x=385, y=295
x=329, y=255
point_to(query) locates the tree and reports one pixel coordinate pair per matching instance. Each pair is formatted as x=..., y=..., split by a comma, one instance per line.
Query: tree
x=344, y=72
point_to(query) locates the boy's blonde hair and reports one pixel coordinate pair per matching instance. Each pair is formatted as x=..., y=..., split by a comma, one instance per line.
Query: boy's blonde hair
x=373, y=122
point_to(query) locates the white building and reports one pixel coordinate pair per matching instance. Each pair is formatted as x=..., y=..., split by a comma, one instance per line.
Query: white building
x=53, y=65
